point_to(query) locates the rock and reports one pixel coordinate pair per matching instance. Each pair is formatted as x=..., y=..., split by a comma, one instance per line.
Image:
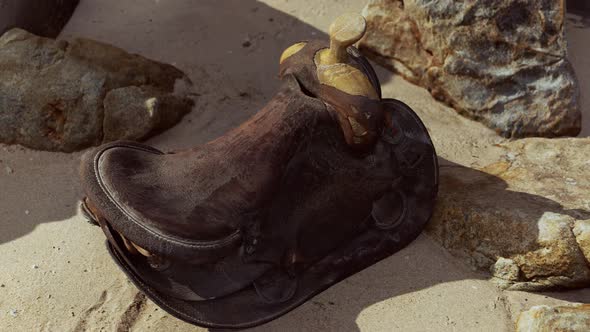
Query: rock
x=501, y=62
x=505, y=269
x=131, y=112
x=520, y=218
x=582, y=234
x=44, y=18
x=68, y=95
x=548, y=319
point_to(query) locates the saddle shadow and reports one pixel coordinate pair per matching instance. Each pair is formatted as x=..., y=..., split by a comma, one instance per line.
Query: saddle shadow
x=425, y=267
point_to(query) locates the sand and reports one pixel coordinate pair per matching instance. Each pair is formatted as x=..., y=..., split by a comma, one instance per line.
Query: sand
x=55, y=272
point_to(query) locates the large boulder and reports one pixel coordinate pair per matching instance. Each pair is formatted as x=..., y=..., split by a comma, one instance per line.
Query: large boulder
x=544, y=318
x=501, y=62
x=525, y=218
x=62, y=95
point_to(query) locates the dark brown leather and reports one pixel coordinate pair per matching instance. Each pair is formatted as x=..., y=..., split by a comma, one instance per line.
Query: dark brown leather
x=170, y=194
x=342, y=105
x=271, y=213
x=44, y=18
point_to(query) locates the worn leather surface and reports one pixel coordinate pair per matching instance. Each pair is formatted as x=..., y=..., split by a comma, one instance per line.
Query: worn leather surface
x=367, y=112
x=378, y=239
x=250, y=225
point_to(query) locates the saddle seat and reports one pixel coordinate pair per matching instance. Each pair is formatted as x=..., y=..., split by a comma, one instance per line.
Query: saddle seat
x=194, y=204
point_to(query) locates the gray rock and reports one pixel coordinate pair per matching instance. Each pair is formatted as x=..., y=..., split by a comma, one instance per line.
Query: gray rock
x=68, y=95
x=134, y=112
x=501, y=62
x=519, y=218
x=544, y=318
x=505, y=269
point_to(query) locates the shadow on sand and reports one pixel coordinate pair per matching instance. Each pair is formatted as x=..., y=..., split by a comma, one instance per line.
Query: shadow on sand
x=424, y=264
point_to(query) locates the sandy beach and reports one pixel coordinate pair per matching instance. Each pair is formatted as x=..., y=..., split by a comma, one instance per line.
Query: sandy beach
x=56, y=274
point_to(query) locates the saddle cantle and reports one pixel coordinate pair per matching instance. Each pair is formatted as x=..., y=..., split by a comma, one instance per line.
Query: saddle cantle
x=326, y=180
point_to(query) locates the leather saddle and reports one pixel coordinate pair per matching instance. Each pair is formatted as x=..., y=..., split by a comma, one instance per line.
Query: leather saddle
x=326, y=180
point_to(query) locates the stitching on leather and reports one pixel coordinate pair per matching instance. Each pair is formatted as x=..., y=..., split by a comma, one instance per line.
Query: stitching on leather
x=192, y=318
x=191, y=244
x=146, y=288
